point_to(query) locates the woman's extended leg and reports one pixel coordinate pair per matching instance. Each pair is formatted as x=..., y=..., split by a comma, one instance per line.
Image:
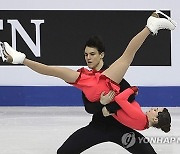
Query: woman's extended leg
x=63, y=73
x=118, y=69
x=12, y=56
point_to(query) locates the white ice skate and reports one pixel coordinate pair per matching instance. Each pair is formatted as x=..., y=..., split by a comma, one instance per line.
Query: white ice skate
x=172, y=21
x=6, y=49
x=154, y=23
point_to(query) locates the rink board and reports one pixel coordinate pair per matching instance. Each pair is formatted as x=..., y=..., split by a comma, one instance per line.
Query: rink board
x=71, y=96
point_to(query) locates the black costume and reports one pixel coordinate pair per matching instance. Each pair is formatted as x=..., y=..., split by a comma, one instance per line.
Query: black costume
x=105, y=129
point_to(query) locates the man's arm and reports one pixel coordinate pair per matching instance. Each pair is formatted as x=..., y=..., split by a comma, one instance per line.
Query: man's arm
x=104, y=102
x=90, y=107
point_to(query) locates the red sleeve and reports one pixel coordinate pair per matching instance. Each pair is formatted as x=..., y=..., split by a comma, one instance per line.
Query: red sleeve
x=128, y=108
x=125, y=94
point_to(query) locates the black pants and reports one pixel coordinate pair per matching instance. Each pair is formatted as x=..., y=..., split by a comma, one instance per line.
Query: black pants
x=92, y=134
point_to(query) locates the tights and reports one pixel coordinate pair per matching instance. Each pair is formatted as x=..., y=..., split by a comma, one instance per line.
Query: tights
x=93, y=134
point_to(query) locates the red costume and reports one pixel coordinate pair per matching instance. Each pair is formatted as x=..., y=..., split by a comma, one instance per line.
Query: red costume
x=93, y=83
x=131, y=114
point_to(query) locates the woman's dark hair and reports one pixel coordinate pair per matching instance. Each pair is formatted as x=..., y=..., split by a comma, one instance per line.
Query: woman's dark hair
x=95, y=42
x=164, y=120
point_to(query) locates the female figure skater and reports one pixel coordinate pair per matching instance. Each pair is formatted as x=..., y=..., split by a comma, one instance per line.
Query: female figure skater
x=133, y=117
x=94, y=83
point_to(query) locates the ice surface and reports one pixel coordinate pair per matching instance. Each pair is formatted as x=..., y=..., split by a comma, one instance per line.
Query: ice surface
x=42, y=130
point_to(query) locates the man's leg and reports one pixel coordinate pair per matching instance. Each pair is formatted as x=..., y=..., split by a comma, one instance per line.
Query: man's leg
x=131, y=140
x=12, y=56
x=82, y=139
x=141, y=145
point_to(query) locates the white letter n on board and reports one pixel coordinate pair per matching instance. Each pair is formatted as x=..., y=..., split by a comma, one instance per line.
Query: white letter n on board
x=17, y=27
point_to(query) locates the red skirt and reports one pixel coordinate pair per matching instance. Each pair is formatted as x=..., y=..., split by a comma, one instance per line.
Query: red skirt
x=93, y=83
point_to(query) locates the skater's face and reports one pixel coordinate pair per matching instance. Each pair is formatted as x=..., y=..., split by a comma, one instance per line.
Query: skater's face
x=153, y=113
x=93, y=58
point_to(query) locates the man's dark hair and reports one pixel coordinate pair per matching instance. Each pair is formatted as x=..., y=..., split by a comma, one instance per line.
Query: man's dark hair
x=95, y=42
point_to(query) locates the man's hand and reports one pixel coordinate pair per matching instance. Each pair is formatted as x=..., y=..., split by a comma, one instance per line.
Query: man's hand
x=106, y=99
x=105, y=112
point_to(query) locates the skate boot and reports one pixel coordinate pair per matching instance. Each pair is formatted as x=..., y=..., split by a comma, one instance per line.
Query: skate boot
x=155, y=23
x=10, y=55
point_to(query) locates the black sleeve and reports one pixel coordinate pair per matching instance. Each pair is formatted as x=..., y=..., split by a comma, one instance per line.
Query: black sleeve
x=91, y=107
x=112, y=107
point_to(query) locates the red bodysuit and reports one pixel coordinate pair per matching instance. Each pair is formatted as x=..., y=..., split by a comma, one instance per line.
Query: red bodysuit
x=131, y=114
x=93, y=83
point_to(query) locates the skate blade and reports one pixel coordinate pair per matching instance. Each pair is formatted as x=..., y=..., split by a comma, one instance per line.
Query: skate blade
x=170, y=19
x=2, y=51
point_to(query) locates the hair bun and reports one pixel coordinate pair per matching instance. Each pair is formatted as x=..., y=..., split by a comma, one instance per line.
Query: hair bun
x=166, y=128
